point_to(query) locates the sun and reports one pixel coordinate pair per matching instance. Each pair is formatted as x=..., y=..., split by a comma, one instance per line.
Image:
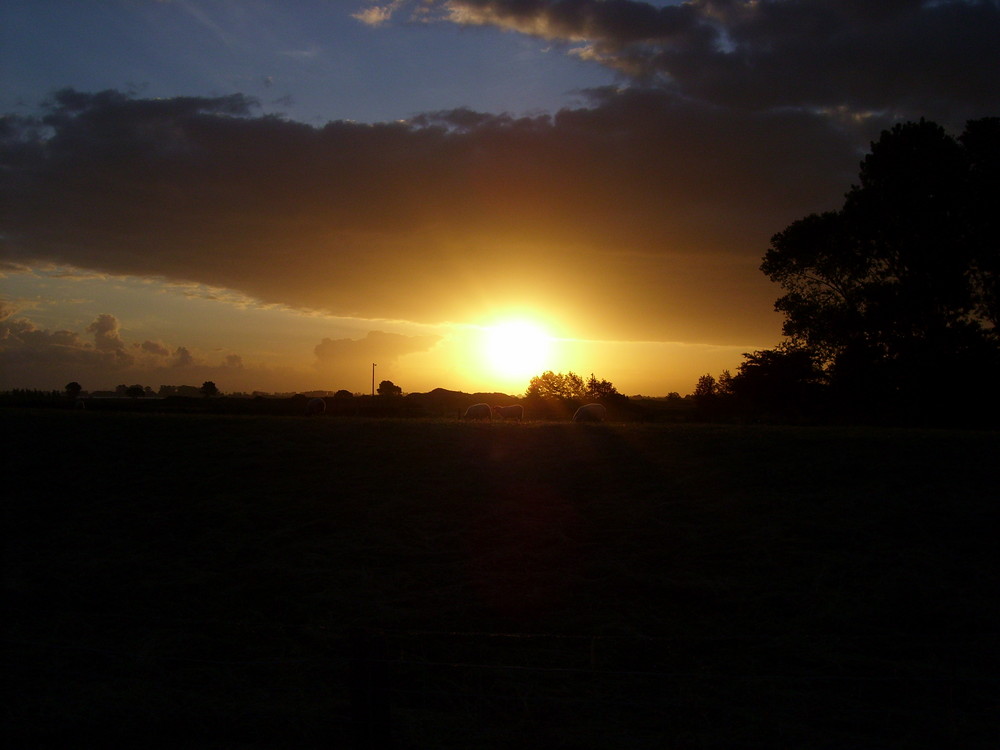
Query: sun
x=516, y=349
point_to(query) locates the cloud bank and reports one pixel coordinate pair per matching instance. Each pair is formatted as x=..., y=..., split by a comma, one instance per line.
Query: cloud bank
x=444, y=217
x=101, y=356
x=896, y=56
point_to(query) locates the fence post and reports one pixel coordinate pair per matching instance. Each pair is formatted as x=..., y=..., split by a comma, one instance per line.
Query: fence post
x=369, y=690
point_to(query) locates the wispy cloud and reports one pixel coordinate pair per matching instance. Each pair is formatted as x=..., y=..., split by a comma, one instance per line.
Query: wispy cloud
x=377, y=346
x=377, y=13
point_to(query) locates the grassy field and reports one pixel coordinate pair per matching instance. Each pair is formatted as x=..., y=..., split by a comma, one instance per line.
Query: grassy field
x=232, y=582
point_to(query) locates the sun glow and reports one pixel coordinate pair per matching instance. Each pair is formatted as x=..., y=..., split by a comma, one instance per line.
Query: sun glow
x=516, y=350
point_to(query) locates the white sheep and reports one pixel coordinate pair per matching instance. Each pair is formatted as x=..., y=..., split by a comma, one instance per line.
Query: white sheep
x=514, y=411
x=479, y=412
x=590, y=413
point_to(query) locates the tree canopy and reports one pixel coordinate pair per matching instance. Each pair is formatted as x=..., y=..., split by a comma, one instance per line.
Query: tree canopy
x=897, y=294
x=388, y=388
x=570, y=387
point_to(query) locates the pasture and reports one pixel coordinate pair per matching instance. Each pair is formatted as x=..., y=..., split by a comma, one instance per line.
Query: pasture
x=257, y=582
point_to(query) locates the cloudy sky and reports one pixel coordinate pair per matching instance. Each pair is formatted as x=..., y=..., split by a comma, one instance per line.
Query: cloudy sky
x=275, y=195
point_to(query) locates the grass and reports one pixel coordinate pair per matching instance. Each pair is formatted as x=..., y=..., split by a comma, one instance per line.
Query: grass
x=196, y=580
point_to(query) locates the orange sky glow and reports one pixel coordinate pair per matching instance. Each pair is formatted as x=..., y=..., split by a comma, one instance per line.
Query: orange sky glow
x=466, y=193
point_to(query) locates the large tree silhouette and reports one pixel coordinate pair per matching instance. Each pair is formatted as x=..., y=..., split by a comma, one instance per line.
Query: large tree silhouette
x=897, y=292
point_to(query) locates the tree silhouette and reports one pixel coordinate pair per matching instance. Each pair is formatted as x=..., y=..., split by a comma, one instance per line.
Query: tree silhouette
x=706, y=388
x=556, y=385
x=708, y=395
x=388, y=388
x=73, y=389
x=601, y=390
x=897, y=293
x=785, y=381
x=135, y=391
x=208, y=389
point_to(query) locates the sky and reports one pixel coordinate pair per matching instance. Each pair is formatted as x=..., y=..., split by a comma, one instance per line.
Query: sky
x=277, y=195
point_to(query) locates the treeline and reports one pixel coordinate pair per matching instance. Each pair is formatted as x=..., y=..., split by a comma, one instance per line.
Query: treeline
x=539, y=404
x=791, y=385
x=781, y=386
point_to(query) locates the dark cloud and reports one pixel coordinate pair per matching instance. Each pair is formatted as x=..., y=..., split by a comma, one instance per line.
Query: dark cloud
x=653, y=206
x=182, y=357
x=107, y=337
x=33, y=357
x=21, y=340
x=908, y=57
x=155, y=347
x=615, y=23
x=34, y=354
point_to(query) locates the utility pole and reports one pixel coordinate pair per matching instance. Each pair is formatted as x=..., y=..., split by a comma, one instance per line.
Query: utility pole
x=373, y=378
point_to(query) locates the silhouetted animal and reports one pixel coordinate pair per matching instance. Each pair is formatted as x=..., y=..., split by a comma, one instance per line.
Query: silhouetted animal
x=590, y=413
x=479, y=411
x=315, y=406
x=515, y=411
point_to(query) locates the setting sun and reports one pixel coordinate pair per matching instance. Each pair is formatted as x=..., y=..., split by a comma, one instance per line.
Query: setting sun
x=516, y=349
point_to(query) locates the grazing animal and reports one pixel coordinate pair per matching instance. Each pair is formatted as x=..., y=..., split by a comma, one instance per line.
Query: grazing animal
x=479, y=412
x=515, y=411
x=315, y=406
x=590, y=413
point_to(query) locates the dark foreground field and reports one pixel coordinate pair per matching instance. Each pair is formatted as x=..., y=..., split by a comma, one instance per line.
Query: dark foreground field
x=245, y=582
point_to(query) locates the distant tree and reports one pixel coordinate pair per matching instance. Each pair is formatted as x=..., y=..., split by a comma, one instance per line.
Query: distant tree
x=135, y=391
x=600, y=390
x=209, y=389
x=710, y=397
x=706, y=387
x=898, y=292
x=342, y=393
x=724, y=384
x=557, y=385
x=167, y=390
x=121, y=390
x=388, y=388
x=673, y=396
x=73, y=389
